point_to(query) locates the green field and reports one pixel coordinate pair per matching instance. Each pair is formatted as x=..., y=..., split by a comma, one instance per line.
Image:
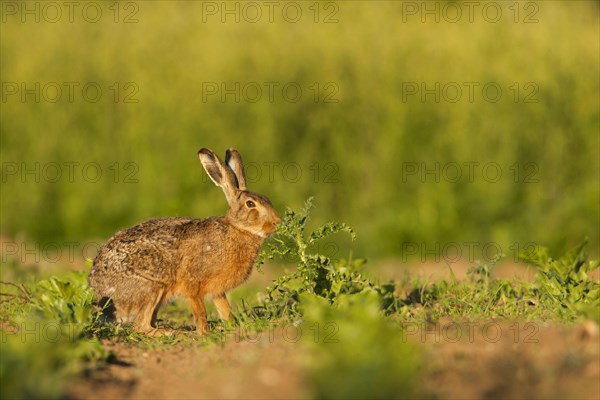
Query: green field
x=512, y=168
x=459, y=142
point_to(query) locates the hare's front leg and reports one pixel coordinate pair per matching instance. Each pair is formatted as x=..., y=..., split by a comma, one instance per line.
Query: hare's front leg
x=222, y=305
x=199, y=311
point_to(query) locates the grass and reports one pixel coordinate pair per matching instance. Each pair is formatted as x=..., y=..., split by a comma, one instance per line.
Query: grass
x=47, y=336
x=362, y=324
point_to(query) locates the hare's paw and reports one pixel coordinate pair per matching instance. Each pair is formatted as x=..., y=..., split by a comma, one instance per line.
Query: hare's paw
x=201, y=331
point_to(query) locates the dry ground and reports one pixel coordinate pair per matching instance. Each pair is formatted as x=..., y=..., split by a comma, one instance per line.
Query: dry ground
x=546, y=362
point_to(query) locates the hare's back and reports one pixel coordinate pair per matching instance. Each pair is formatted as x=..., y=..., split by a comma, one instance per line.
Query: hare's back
x=148, y=250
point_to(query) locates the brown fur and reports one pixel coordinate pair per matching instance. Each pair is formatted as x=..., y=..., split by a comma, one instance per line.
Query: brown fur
x=142, y=266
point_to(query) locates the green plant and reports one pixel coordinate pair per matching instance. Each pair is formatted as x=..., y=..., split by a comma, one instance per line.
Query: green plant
x=40, y=357
x=316, y=273
x=47, y=336
x=67, y=299
x=565, y=281
x=481, y=274
x=480, y=296
x=363, y=356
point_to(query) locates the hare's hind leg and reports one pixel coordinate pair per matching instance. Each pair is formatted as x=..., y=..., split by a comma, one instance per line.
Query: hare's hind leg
x=136, y=300
x=223, y=307
x=147, y=312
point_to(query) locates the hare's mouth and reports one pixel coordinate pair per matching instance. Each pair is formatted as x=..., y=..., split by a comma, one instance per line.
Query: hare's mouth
x=260, y=231
x=268, y=229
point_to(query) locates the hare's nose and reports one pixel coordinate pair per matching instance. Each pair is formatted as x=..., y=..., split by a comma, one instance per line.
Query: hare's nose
x=277, y=220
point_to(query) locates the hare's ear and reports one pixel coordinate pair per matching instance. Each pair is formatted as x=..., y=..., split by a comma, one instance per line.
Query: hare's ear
x=219, y=173
x=233, y=159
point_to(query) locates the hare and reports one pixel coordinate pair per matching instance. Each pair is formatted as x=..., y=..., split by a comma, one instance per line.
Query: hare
x=141, y=267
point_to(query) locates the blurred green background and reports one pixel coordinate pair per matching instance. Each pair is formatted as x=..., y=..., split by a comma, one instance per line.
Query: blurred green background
x=358, y=138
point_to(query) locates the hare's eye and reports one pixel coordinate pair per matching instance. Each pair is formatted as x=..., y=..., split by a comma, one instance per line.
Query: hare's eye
x=250, y=204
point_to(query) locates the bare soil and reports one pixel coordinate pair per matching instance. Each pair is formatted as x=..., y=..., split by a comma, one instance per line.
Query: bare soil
x=523, y=362
x=242, y=370
x=509, y=361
